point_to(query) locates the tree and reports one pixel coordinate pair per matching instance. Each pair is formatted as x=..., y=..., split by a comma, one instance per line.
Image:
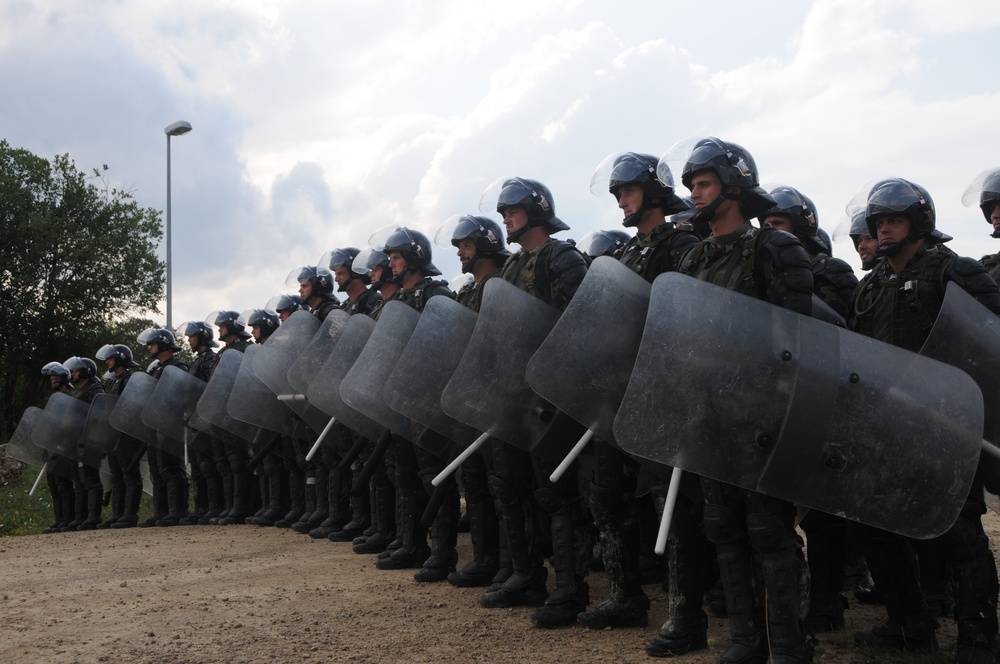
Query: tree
x=77, y=262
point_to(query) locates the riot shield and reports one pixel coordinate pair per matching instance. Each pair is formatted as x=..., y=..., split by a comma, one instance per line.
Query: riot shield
x=99, y=437
x=60, y=428
x=739, y=390
x=362, y=386
x=967, y=335
x=584, y=364
x=127, y=413
x=426, y=365
x=253, y=402
x=488, y=391
x=303, y=370
x=173, y=402
x=324, y=390
x=212, y=404
x=20, y=446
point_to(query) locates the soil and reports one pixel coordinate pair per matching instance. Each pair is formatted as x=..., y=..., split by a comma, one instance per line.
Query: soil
x=250, y=594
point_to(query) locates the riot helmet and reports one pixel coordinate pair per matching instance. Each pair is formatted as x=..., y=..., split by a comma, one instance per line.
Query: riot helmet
x=985, y=190
x=731, y=163
x=229, y=324
x=412, y=245
x=284, y=304
x=319, y=279
x=791, y=203
x=343, y=258
x=603, y=243
x=84, y=367
x=892, y=196
x=533, y=196
x=485, y=233
x=200, y=329
x=161, y=338
x=367, y=260
x=119, y=353
x=266, y=320
x=623, y=168
x=59, y=372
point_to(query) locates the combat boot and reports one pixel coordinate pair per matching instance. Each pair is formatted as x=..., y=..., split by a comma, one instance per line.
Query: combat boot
x=484, y=533
x=176, y=499
x=916, y=634
x=976, y=649
x=305, y=522
x=117, y=506
x=526, y=584
x=413, y=550
x=384, y=511
x=357, y=525
x=748, y=644
x=296, y=501
x=444, y=539
x=241, y=497
x=274, y=510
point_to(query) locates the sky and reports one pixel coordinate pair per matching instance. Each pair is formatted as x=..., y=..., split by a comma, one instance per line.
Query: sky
x=316, y=122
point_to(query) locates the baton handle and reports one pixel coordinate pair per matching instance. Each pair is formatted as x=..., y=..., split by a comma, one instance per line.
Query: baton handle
x=361, y=483
x=571, y=457
x=460, y=459
x=352, y=454
x=41, y=473
x=319, y=441
x=264, y=451
x=291, y=397
x=668, y=511
x=434, y=504
x=134, y=463
x=991, y=449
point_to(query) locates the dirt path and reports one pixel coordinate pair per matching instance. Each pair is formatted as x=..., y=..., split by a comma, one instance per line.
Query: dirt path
x=249, y=594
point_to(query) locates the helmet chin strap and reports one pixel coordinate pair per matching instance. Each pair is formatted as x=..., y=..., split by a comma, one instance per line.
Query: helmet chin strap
x=995, y=233
x=707, y=213
x=467, y=267
x=398, y=278
x=633, y=219
x=892, y=248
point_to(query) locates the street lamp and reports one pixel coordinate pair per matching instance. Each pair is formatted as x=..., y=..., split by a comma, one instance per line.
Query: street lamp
x=178, y=128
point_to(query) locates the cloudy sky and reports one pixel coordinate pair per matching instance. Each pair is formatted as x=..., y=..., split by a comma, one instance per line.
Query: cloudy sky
x=316, y=122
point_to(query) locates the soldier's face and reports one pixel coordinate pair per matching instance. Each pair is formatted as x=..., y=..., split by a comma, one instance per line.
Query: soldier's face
x=376, y=273
x=54, y=382
x=397, y=264
x=892, y=228
x=283, y=315
x=193, y=340
x=995, y=216
x=515, y=217
x=341, y=275
x=630, y=198
x=305, y=290
x=110, y=363
x=779, y=222
x=255, y=332
x=466, y=251
x=866, y=248
x=705, y=188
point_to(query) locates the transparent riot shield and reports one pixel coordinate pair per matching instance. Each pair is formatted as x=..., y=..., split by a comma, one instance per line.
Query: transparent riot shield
x=426, y=365
x=361, y=388
x=324, y=390
x=173, y=402
x=966, y=335
x=253, y=402
x=309, y=363
x=99, y=437
x=20, y=446
x=488, y=390
x=127, y=413
x=739, y=390
x=60, y=428
x=212, y=406
x=584, y=364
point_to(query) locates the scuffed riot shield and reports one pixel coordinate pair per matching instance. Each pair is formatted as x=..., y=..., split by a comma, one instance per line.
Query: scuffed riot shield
x=426, y=365
x=253, y=402
x=302, y=372
x=488, y=391
x=20, y=446
x=584, y=364
x=324, y=391
x=212, y=406
x=127, y=413
x=173, y=402
x=99, y=437
x=282, y=350
x=60, y=428
x=362, y=386
x=736, y=389
x=967, y=335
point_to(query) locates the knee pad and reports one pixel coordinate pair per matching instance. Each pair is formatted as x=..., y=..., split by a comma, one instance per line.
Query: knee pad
x=722, y=525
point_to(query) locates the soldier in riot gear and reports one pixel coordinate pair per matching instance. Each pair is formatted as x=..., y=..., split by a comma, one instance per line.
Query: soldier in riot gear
x=550, y=270
x=350, y=281
x=864, y=243
x=410, y=260
x=771, y=266
x=315, y=289
x=83, y=372
x=985, y=191
x=60, y=469
x=795, y=213
x=209, y=495
x=898, y=302
x=645, y=198
x=230, y=458
x=126, y=478
x=482, y=252
x=170, y=498
x=284, y=305
x=603, y=243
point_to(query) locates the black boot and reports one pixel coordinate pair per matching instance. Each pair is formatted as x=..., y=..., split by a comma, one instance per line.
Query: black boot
x=241, y=497
x=130, y=508
x=177, y=497
x=277, y=505
x=484, y=532
x=572, y=594
x=117, y=505
x=79, y=506
x=788, y=643
x=305, y=522
x=444, y=539
x=385, y=522
x=216, y=499
x=413, y=550
x=95, y=501
x=296, y=500
x=748, y=645
x=526, y=584
x=359, y=522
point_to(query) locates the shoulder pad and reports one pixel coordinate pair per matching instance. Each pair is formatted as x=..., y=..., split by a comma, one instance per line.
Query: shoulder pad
x=565, y=256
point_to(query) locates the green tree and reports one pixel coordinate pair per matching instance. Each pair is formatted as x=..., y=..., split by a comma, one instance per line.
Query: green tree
x=78, y=262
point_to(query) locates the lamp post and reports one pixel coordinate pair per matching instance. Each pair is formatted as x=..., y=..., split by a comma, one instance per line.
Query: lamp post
x=178, y=128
